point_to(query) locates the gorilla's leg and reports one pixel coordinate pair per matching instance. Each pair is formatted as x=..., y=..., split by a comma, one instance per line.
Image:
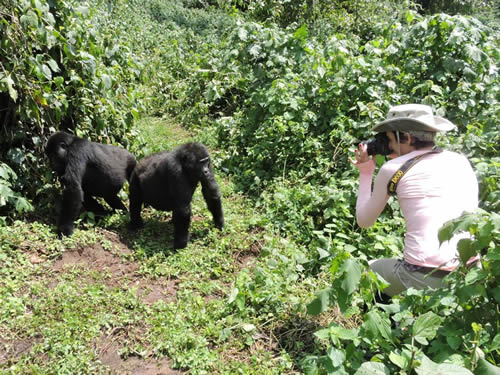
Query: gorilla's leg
x=71, y=206
x=90, y=204
x=182, y=219
x=212, y=196
x=115, y=202
x=135, y=203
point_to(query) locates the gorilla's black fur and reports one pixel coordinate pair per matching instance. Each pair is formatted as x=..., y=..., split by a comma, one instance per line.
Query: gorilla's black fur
x=87, y=169
x=167, y=181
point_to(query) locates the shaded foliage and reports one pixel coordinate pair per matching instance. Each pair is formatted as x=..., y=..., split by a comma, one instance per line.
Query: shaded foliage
x=59, y=70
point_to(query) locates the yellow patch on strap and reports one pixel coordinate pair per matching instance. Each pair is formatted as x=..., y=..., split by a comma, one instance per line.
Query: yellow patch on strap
x=396, y=177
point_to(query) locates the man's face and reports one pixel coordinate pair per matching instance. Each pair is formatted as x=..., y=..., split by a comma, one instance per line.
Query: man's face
x=398, y=148
x=393, y=144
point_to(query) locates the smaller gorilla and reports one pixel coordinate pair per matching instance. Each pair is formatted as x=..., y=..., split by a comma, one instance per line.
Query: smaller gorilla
x=87, y=169
x=167, y=181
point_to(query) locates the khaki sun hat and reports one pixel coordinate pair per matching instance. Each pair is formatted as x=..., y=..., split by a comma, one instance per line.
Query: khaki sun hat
x=417, y=117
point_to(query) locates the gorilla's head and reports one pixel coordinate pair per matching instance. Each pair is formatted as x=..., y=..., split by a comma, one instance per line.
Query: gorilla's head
x=195, y=159
x=57, y=151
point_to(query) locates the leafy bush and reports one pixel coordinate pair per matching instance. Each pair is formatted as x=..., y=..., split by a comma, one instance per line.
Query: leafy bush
x=306, y=101
x=59, y=71
x=7, y=196
x=422, y=324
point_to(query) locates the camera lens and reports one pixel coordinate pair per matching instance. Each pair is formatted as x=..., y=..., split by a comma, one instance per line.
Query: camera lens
x=379, y=145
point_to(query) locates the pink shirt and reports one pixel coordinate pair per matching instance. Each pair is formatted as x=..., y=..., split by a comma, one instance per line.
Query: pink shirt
x=440, y=187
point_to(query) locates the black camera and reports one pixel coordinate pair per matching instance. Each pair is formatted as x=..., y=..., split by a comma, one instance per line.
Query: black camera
x=379, y=145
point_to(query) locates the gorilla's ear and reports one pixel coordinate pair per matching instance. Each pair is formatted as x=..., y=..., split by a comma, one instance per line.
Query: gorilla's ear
x=188, y=159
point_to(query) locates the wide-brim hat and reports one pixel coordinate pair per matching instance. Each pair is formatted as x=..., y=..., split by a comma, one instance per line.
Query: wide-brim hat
x=417, y=117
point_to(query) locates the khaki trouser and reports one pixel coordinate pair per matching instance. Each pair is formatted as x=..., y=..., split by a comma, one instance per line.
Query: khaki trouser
x=400, y=278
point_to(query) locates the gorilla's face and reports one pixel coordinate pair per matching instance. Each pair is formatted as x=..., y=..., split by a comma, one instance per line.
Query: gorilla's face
x=57, y=150
x=196, y=160
x=204, y=166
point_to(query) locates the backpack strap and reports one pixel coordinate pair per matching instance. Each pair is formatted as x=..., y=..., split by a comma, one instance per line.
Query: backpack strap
x=396, y=177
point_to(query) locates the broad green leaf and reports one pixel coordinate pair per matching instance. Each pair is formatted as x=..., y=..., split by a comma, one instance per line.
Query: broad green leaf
x=495, y=344
x=446, y=232
x=410, y=16
x=47, y=72
x=225, y=333
x=378, y=326
x=373, y=368
x=466, y=249
x=254, y=50
x=85, y=11
x=5, y=192
x=107, y=81
x=474, y=275
x=398, y=360
x=436, y=89
x=454, y=342
x=233, y=295
x=10, y=86
x=320, y=303
x=323, y=253
x=428, y=367
x=323, y=334
x=5, y=171
x=336, y=356
x=248, y=327
x=344, y=333
x=462, y=224
x=30, y=18
x=426, y=326
x=352, y=274
x=486, y=368
x=23, y=205
x=301, y=33
x=473, y=52
x=59, y=81
x=53, y=65
x=16, y=155
x=243, y=34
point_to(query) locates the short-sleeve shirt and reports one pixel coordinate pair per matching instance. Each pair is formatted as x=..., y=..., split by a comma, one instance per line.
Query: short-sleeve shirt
x=438, y=188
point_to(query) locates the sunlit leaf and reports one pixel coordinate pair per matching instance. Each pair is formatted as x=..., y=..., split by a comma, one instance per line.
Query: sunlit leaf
x=107, y=81
x=428, y=367
x=473, y=52
x=301, y=33
x=248, y=327
x=10, y=86
x=336, y=356
x=47, y=72
x=398, y=360
x=373, y=368
x=242, y=34
x=426, y=326
x=29, y=18
x=53, y=65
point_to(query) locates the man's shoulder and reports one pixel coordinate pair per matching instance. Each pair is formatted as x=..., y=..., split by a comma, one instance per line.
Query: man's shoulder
x=453, y=156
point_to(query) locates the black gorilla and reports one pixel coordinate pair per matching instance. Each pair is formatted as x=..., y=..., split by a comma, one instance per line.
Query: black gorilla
x=167, y=181
x=87, y=169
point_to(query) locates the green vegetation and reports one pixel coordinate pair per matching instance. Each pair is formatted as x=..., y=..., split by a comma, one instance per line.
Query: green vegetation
x=280, y=91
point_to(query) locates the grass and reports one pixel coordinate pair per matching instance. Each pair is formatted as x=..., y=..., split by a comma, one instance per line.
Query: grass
x=108, y=301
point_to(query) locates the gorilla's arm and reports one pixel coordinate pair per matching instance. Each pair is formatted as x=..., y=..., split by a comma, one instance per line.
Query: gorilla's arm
x=212, y=195
x=73, y=195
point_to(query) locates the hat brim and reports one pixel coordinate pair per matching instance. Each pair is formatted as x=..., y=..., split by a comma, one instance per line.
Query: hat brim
x=406, y=124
